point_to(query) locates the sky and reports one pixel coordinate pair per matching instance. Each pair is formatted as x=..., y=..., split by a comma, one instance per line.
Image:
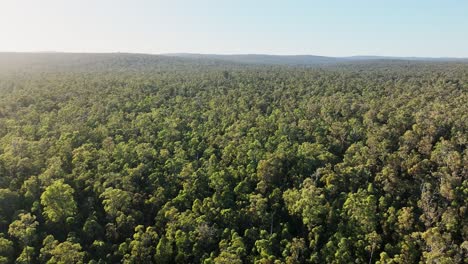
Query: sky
x=423, y=28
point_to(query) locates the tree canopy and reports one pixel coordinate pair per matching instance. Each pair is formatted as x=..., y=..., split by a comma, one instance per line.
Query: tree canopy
x=110, y=160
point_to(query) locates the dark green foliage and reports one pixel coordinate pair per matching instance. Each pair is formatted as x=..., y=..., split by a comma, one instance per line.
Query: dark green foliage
x=140, y=159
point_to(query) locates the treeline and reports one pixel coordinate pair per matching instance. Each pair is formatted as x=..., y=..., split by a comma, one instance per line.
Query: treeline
x=183, y=163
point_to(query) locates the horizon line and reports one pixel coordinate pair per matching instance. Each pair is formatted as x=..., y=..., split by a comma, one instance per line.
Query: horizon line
x=231, y=54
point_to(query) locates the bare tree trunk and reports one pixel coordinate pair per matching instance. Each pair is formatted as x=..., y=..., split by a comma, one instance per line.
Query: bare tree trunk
x=371, y=254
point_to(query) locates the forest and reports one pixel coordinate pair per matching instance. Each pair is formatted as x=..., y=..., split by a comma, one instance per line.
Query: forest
x=156, y=159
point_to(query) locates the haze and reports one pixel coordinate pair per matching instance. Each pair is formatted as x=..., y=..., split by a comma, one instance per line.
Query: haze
x=328, y=28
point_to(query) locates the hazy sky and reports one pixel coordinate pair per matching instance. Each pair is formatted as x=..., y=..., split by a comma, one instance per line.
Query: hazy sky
x=328, y=27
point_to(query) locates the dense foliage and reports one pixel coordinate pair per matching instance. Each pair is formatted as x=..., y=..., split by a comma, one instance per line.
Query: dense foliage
x=207, y=163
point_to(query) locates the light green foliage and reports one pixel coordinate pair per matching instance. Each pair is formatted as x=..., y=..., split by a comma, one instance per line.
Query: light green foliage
x=58, y=202
x=6, y=250
x=67, y=252
x=143, y=246
x=164, y=251
x=232, y=250
x=24, y=229
x=26, y=256
x=54, y=252
x=115, y=201
x=307, y=202
x=360, y=208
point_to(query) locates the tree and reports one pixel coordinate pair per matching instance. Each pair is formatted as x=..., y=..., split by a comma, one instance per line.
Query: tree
x=360, y=208
x=164, y=251
x=295, y=251
x=307, y=202
x=6, y=250
x=54, y=252
x=439, y=249
x=310, y=205
x=24, y=229
x=9, y=203
x=116, y=202
x=232, y=250
x=67, y=252
x=58, y=202
x=142, y=247
x=26, y=256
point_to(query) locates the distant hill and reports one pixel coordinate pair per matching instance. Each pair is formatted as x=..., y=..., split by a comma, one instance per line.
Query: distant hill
x=436, y=59
x=57, y=61
x=85, y=61
x=100, y=62
x=304, y=59
x=263, y=58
